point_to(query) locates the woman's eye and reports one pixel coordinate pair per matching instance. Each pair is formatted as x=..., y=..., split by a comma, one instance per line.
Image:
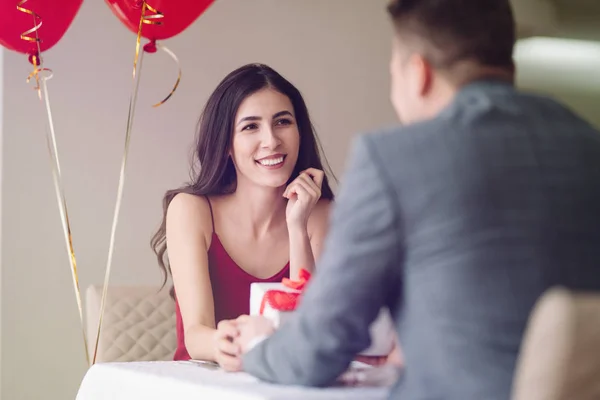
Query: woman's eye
x=250, y=127
x=283, y=121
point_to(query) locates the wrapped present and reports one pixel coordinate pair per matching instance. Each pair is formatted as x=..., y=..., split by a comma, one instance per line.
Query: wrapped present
x=277, y=301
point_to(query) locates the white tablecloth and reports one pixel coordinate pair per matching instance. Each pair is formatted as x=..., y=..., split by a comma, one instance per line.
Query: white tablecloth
x=180, y=380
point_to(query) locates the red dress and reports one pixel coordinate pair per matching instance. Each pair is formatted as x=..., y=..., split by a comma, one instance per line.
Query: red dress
x=230, y=286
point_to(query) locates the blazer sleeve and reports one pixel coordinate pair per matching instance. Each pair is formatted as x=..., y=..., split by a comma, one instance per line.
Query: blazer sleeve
x=357, y=270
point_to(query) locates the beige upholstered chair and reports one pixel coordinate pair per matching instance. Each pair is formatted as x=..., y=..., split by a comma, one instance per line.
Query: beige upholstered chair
x=138, y=325
x=560, y=356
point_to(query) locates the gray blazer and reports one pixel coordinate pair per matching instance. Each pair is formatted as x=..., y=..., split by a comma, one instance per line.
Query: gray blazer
x=457, y=224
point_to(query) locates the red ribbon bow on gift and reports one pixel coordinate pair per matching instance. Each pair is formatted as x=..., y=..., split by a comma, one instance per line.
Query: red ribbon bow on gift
x=281, y=300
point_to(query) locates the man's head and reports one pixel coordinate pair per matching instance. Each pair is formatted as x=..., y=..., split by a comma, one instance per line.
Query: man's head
x=440, y=45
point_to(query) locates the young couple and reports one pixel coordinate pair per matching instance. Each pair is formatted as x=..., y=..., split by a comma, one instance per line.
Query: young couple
x=457, y=221
x=257, y=209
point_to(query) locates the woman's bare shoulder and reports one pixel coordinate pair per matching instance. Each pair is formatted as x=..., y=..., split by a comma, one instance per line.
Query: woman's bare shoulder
x=190, y=212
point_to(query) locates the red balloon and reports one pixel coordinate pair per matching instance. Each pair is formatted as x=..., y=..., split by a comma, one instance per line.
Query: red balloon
x=177, y=15
x=55, y=18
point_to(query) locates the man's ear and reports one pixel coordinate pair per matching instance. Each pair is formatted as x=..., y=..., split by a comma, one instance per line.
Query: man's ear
x=421, y=75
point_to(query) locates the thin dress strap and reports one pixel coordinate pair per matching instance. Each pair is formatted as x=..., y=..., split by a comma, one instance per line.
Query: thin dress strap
x=212, y=217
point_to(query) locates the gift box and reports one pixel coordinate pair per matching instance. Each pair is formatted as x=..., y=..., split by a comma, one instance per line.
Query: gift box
x=278, y=300
x=258, y=291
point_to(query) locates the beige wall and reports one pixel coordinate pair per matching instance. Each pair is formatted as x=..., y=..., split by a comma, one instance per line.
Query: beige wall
x=335, y=51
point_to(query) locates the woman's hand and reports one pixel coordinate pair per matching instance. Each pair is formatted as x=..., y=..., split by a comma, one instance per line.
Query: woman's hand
x=302, y=194
x=227, y=353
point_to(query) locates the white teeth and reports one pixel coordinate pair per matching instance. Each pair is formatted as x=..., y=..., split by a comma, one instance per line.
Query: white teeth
x=271, y=161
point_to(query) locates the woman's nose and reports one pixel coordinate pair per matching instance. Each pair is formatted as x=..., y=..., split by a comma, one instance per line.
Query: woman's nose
x=270, y=139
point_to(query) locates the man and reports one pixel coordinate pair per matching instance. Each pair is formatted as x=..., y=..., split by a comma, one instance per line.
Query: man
x=458, y=221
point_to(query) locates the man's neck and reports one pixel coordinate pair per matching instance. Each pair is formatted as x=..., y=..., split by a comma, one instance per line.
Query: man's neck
x=461, y=75
x=468, y=72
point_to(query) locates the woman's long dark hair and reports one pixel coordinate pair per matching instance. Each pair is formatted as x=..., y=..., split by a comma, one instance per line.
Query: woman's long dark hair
x=214, y=173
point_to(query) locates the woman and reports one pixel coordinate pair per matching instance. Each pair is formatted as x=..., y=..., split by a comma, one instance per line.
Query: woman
x=256, y=211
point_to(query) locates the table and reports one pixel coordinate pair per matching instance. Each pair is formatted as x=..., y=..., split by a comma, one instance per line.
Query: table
x=182, y=380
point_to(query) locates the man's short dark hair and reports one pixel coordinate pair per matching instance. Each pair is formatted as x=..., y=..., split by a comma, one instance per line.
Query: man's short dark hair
x=457, y=30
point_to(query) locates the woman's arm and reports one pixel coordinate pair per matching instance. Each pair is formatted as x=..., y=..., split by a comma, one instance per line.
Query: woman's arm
x=306, y=243
x=188, y=234
x=306, y=247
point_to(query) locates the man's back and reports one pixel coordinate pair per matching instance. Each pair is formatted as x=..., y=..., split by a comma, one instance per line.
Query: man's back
x=500, y=200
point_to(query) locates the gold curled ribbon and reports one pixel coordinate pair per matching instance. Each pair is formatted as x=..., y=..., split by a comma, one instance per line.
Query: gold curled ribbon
x=174, y=57
x=36, y=25
x=153, y=19
x=42, y=90
x=35, y=58
x=36, y=74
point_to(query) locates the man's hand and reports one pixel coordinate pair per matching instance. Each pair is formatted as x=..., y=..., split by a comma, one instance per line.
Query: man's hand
x=394, y=358
x=251, y=329
x=227, y=352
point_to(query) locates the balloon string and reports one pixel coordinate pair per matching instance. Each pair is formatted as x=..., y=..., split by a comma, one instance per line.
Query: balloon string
x=42, y=91
x=138, y=59
x=60, y=196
